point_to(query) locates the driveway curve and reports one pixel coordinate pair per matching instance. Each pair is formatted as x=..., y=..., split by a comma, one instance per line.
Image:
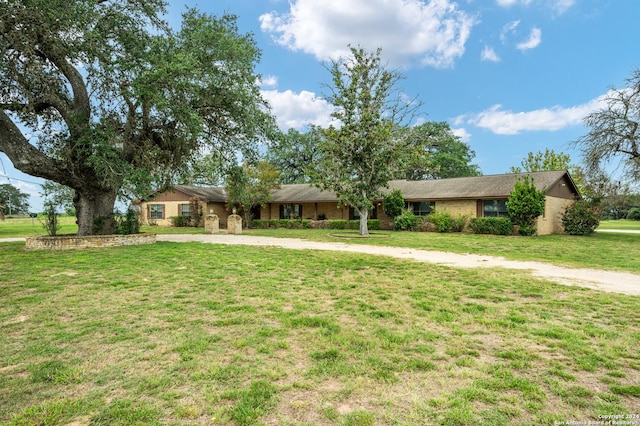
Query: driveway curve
x=609, y=281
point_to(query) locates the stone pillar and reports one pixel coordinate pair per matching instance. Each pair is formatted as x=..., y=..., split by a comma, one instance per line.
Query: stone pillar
x=211, y=224
x=234, y=224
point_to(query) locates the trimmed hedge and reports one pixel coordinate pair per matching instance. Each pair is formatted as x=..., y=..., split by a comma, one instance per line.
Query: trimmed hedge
x=374, y=224
x=491, y=225
x=281, y=223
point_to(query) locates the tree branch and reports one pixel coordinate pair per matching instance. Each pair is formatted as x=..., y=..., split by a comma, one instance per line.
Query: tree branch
x=26, y=157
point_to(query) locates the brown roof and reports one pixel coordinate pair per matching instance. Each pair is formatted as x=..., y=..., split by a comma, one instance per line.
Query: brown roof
x=212, y=195
x=492, y=186
x=476, y=187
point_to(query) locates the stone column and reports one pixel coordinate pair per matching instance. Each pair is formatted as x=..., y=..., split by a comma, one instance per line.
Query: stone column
x=234, y=224
x=211, y=224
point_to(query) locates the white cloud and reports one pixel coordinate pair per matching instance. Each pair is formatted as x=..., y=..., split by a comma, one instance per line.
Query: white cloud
x=561, y=6
x=535, y=38
x=505, y=122
x=488, y=54
x=509, y=28
x=509, y=3
x=297, y=110
x=408, y=31
x=268, y=81
x=462, y=133
x=557, y=6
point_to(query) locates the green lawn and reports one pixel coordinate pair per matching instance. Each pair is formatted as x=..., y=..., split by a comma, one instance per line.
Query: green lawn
x=601, y=250
x=209, y=334
x=633, y=225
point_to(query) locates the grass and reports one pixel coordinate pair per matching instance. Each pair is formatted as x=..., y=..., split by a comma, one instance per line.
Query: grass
x=632, y=225
x=210, y=334
x=601, y=250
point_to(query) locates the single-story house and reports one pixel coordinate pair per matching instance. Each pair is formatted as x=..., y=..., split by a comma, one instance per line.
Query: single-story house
x=478, y=196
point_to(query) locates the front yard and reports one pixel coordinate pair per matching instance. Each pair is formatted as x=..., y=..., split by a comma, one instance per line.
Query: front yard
x=206, y=334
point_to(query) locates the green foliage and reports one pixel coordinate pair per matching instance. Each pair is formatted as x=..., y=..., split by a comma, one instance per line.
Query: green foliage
x=337, y=224
x=249, y=186
x=634, y=214
x=393, y=203
x=434, y=152
x=524, y=205
x=372, y=224
x=443, y=221
x=50, y=223
x=540, y=161
x=60, y=196
x=550, y=160
x=128, y=223
x=580, y=219
x=12, y=200
x=358, y=158
x=180, y=221
x=407, y=221
x=281, y=223
x=292, y=154
x=491, y=225
x=126, y=104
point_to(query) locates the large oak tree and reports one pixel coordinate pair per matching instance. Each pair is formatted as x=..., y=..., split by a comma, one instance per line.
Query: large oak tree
x=103, y=97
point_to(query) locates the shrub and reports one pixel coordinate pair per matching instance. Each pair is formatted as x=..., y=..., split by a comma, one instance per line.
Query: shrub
x=634, y=214
x=372, y=224
x=443, y=221
x=127, y=223
x=337, y=224
x=580, y=219
x=180, y=221
x=524, y=205
x=491, y=225
x=407, y=221
x=460, y=222
x=51, y=223
x=393, y=204
x=281, y=223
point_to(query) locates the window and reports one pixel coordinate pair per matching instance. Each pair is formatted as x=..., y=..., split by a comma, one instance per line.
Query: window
x=184, y=209
x=422, y=208
x=290, y=211
x=494, y=208
x=156, y=211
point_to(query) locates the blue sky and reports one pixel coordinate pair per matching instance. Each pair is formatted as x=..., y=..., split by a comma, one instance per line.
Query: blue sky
x=510, y=76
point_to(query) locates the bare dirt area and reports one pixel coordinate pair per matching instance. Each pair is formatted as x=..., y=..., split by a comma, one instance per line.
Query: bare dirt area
x=609, y=281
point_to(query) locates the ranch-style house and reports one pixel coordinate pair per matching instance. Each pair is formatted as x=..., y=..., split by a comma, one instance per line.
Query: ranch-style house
x=480, y=196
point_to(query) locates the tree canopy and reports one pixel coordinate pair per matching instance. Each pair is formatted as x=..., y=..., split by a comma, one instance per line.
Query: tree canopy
x=550, y=160
x=293, y=154
x=12, y=200
x=614, y=131
x=103, y=97
x=359, y=156
x=541, y=161
x=249, y=186
x=435, y=152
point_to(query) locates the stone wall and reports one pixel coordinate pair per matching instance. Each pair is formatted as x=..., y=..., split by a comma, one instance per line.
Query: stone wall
x=43, y=242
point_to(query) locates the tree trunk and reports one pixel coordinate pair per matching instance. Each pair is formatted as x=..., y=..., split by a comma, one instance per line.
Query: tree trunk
x=364, y=216
x=94, y=211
